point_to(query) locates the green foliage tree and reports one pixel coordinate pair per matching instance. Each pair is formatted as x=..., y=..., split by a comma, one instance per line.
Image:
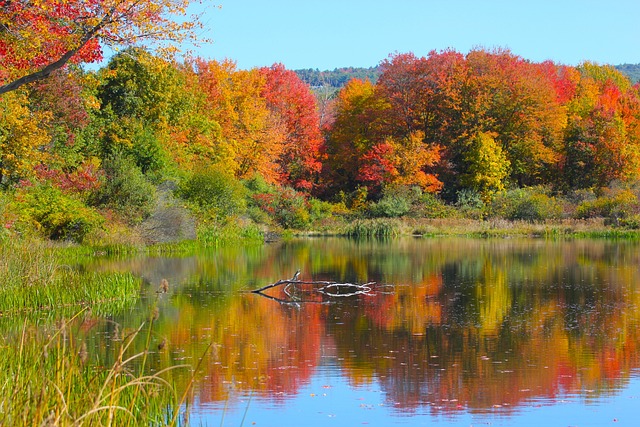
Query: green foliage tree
x=125, y=190
x=214, y=190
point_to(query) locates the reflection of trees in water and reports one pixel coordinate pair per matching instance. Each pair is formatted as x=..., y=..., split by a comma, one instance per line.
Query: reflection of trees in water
x=513, y=326
x=472, y=323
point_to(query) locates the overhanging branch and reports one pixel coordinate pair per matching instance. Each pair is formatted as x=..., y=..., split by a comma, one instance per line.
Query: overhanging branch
x=61, y=62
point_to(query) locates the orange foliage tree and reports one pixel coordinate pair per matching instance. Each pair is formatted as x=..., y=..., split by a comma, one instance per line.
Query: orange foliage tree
x=551, y=124
x=355, y=138
x=603, y=138
x=252, y=136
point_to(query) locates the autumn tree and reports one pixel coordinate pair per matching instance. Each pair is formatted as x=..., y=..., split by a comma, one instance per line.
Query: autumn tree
x=291, y=100
x=251, y=137
x=518, y=104
x=355, y=144
x=39, y=37
x=406, y=85
x=21, y=138
x=486, y=166
x=68, y=99
x=602, y=143
x=143, y=99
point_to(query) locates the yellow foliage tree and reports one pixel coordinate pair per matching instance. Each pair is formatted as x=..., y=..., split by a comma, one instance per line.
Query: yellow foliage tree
x=20, y=138
x=487, y=165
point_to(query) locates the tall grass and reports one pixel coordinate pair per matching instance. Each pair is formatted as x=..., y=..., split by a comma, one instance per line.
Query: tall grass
x=48, y=377
x=215, y=234
x=379, y=228
x=32, y=278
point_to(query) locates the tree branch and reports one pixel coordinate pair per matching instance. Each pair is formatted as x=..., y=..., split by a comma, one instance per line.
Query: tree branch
x=47, y=70
x=331, y=289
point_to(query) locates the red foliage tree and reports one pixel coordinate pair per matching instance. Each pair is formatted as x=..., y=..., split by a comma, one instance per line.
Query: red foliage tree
x=39, y=37
x=291, y=100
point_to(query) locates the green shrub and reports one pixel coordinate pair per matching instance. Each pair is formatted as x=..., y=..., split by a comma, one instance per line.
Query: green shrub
x=470, y=204
x=56, y=215
x=285, y=207
x=536, y=207
x=125, y=190
x=257, y=184
x=613, y=207
x=632, y=222
x=396, y=201
x=215, y=191
x=7, y=218
x=291, y=210
x=390, y=207
x=319, y=210
x=147, y=152
x=431, y=206
x=528, y=204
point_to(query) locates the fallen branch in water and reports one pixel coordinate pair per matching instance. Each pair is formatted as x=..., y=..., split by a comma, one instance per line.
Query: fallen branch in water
x=332, y=289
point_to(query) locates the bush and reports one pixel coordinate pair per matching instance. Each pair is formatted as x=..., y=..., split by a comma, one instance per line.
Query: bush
x=396, y=201
x=286, y=207
x=390, y=207
x=215, y=191
x=257, y=184
x=536, y=207
x=470, y=204
x=7, y=218
x=319, y=210
x=125, y=190
x=612, y=207
x=291, y=210
x=56, y=215
x=632, y=222
x=148, y=153
x=528, y=204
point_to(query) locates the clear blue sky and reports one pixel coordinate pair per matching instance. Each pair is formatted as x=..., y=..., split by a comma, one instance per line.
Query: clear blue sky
x=326, y=34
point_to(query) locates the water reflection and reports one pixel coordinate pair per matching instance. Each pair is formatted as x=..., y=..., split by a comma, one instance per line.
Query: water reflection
x=472, y=326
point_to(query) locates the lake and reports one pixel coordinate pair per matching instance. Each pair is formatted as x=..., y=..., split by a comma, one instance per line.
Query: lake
x=454, y=332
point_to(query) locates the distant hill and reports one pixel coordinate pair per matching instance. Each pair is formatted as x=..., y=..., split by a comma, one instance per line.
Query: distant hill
x=630, y=70
x=340, y=76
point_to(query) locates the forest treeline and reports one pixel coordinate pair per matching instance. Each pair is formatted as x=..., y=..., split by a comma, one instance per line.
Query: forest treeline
x=338, y=77
x=85, y=154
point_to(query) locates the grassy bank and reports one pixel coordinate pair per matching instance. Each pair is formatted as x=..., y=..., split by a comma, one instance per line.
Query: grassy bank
x=34, y=279
x=426, y=228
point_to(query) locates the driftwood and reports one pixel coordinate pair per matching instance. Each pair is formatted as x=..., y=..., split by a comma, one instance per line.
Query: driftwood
x=327, y=288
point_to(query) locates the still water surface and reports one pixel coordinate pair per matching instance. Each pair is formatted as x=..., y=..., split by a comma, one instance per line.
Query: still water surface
x=467, y=332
